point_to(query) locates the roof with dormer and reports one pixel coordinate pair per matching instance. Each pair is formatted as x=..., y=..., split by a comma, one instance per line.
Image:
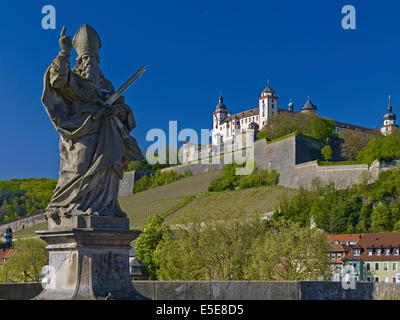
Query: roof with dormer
x=374, y=241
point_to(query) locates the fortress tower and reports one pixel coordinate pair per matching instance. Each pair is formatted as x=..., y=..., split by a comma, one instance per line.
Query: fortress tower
x=267, y=105
x=389, y=121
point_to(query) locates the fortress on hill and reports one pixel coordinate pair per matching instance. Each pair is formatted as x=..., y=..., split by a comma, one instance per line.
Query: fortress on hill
x=228, y=127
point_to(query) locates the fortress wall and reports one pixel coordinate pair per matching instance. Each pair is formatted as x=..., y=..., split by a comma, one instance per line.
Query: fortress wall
x=128, y=181
x=342, y=175
x=236, y=290
x=282, y=156
x=22, y=223
x=291, y=157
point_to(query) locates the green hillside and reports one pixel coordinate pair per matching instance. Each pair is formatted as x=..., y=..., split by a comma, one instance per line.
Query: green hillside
x=160, y=200
x=187, y=199
x=229, y=204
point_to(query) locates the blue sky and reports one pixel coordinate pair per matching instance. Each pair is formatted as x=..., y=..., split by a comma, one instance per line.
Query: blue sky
x=194, y=49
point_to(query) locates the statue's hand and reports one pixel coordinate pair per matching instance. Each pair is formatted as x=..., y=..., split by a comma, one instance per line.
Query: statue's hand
x=65, y=41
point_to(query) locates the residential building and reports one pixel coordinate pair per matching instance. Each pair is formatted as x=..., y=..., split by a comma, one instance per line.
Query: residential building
x=375, y=258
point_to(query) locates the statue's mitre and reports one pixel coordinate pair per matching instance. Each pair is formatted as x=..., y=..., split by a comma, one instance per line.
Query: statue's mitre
x=86, y=41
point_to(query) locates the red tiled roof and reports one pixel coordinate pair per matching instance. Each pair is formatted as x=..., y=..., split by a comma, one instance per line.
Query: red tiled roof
x=345, y=237
x=4, y=253
x=382, y=241
x=340, y=248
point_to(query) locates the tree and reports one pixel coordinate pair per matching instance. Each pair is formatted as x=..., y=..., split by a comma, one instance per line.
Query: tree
x=289, y=252
x=245, y=249
x=353, y=143
x=147, y=243
x=26, y=261
x=381, y=148
x=284, y=123
x=196, y=250
x=327, y=153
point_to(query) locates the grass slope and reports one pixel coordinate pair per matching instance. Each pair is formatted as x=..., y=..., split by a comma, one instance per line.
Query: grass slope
x=229, y=204
x=30, y=231
x=140, y=206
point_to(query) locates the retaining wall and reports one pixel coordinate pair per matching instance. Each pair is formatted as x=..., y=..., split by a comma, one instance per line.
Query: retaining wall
x=22, y=223
x=236, y=290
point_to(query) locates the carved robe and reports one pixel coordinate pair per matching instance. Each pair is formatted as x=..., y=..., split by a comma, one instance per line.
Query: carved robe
x=93, y=149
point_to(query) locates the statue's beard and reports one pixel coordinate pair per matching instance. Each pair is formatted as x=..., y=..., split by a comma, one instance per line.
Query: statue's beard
x=89, y=71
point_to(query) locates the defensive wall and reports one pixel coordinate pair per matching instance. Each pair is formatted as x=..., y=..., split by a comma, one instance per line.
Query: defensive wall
x=236, y=290
x=22, y=223
x=294, y=158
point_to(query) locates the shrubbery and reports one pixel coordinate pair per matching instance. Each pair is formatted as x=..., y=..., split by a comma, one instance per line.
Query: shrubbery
x=286, y=123
x=158, y=179
x=244, y=249
x=381, y=148
x=361, y=208
x=22, y=197
x=231, y=181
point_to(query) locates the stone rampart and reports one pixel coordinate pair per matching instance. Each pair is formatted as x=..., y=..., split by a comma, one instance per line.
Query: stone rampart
x=236, y=290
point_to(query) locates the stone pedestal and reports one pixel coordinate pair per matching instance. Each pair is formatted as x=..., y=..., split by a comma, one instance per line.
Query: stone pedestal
x=89, y=259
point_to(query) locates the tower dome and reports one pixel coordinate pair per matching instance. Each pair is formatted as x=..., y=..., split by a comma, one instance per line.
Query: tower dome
x=389, y=115
x=221, y=105
x=389, y=121
x=309, y=107
x=291, y=106
x=268, y=90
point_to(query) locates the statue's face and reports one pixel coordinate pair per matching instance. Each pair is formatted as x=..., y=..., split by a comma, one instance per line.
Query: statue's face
x=89, y=67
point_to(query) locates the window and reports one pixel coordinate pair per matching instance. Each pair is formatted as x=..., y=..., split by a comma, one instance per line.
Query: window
x=378, y=252
x=357, y=252
x=333, y=255
x=370, y=252
x=368, y=266
x=396, y=251
x=376, y=266
x=394, y=279
x=339, y=255
x=386, y=279
x=394, y=266
x=387, y=252
x=368, y=279
x=376, y=279
x=385, y=266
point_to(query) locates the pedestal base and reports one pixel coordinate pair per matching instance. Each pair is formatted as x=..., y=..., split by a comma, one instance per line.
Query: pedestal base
x=89, y=263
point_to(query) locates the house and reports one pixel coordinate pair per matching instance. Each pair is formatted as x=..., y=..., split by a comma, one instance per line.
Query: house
x=4, y=255
x=375, y=258
x=340, y=247
x=137, y=269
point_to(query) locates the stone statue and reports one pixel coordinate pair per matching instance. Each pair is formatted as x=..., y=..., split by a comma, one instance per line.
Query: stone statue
x=95, y=144
x=88, y=236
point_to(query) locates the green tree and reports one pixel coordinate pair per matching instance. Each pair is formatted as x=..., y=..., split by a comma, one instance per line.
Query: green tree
x=353, y=143
x=196, y=250
x=147, y=243
x=26, y=261
x=327, y=153
x=289, y=252
x=381, y=148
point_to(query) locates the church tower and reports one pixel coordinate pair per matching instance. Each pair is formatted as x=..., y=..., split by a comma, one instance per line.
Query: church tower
x=389, y=121
x=219, y=115
x=267, y=105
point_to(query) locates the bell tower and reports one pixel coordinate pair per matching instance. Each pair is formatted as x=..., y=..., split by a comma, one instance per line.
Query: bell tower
x=267, y=104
